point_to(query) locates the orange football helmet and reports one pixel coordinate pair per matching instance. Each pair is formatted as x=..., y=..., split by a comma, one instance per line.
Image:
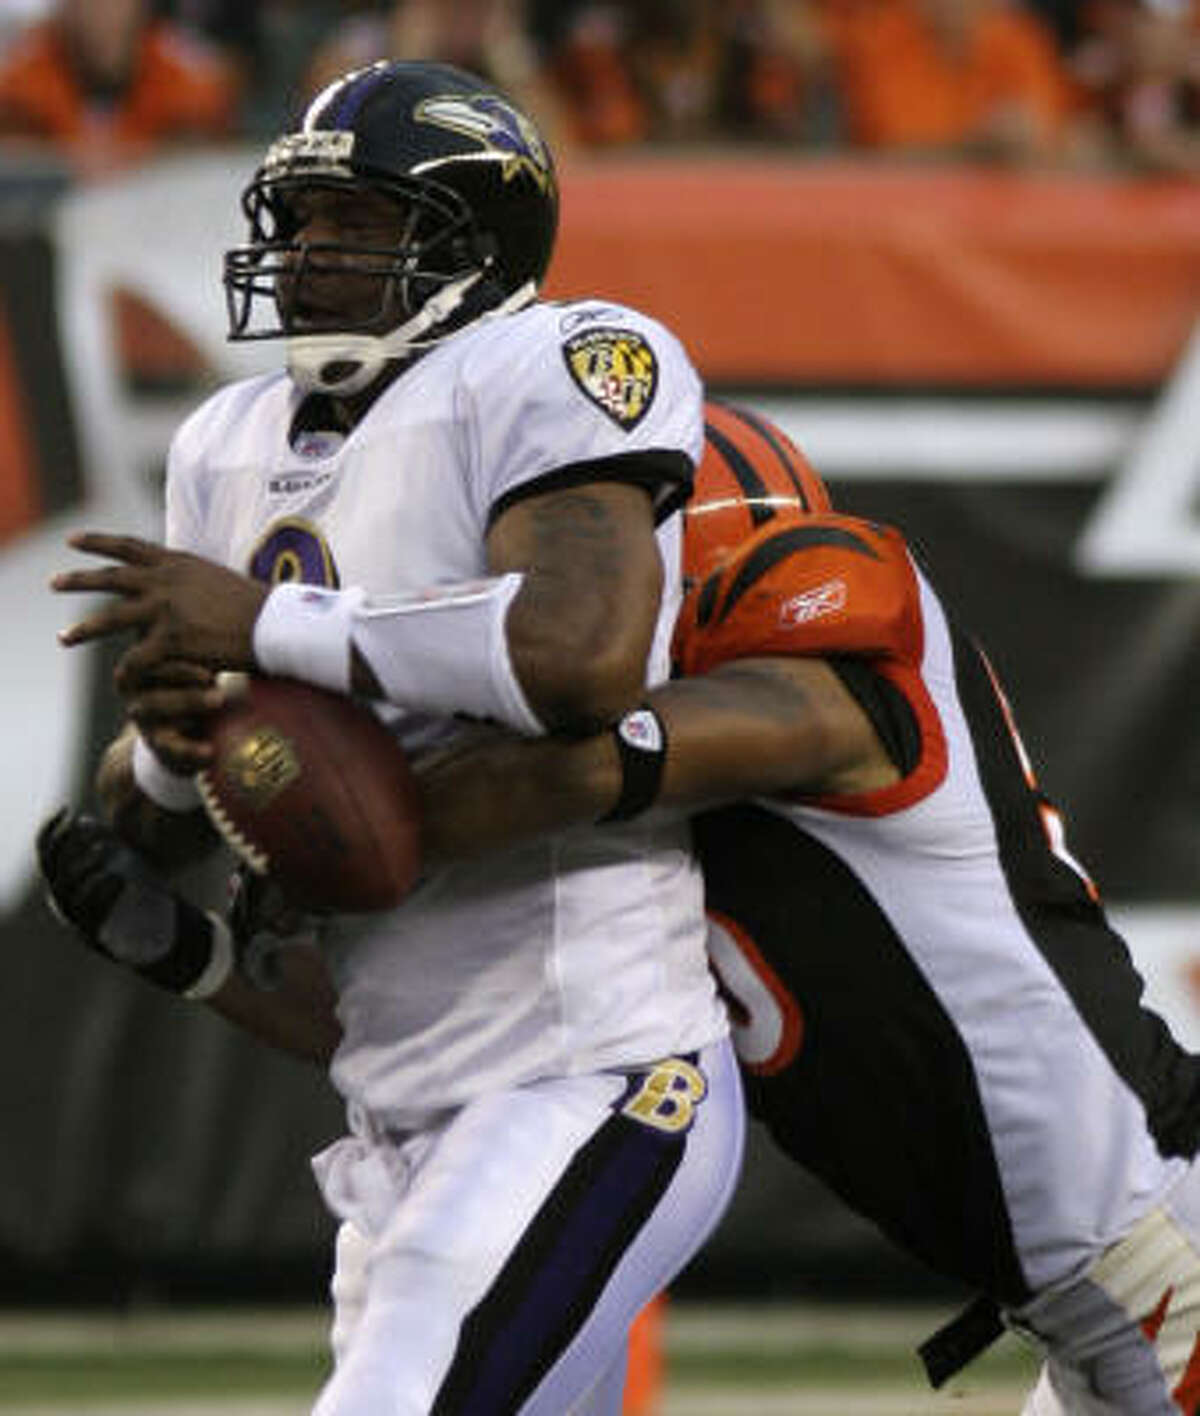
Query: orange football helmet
x=751, y=472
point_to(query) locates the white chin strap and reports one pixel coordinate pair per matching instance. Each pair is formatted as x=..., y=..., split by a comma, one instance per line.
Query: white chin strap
x=343, y=364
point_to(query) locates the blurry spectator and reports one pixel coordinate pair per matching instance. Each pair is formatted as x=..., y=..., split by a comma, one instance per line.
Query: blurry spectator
x=1138, y=75
x=779, y=84
x=676, y=63
x=675, y=60
x=234, y=27
x=103, y=79
x=593, y=74
x=686, y=70
x=488, y=37
x=974, y=78
x=18, y=15
x=550, y=20
x=1063, y=18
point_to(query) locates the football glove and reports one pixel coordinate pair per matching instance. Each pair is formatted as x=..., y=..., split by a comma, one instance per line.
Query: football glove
x=121, y=908
x=264, y=924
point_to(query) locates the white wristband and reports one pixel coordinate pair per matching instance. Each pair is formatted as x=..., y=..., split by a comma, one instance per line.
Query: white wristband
x=219, y=966
x=303, y=632
x=164, y=788
x=445, y=650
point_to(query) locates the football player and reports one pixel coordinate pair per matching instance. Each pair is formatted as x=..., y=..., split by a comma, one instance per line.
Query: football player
x=933, y=1013
x=955, y=1039
x=463, y=503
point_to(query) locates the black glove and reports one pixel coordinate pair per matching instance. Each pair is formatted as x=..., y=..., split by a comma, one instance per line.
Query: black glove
x=264, y=924
x=119, y=907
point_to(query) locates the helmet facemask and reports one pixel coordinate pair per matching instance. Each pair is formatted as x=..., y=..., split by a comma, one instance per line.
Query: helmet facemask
x=347, y=308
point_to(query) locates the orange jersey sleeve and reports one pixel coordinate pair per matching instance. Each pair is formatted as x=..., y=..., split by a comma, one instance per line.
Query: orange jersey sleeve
x=817, y=585
x=825, y=586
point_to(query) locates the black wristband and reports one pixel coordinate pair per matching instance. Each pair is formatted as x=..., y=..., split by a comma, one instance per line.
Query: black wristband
x=641, y=738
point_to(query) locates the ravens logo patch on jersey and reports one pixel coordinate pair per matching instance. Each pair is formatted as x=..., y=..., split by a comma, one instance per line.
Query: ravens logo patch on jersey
x=616, y=369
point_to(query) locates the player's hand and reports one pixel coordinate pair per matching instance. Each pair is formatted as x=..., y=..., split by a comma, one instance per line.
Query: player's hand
x=119, y=907
x=182, y=608
x=171, y=709
x=264, y=923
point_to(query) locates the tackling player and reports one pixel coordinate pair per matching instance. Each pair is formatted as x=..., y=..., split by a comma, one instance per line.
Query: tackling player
x=955, y=1040
x=463, y=503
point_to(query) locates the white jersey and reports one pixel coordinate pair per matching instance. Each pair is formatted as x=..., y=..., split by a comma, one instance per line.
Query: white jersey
x=582, y=952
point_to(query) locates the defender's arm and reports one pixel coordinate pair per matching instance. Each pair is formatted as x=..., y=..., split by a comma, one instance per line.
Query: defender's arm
x=750, y=728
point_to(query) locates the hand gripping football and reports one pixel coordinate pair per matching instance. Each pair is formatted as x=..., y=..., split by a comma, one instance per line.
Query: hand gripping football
x=310, y=788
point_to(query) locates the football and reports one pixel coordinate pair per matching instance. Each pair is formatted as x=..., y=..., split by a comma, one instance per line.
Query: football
x=309, y=788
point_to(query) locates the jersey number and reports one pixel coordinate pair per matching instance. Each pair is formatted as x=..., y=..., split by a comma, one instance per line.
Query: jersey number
x=294, y=550
x=767, y=1024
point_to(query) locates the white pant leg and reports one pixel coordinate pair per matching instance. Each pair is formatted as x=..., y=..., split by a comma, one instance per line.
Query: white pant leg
x=607, y=1396
x=348, y=1290
x=525, y=1236
x=1042, y=1400
x=689, y=1211
x=1124, y=1339
x=349, y=1294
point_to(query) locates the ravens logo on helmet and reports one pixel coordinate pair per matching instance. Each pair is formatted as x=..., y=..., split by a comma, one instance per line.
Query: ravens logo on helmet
x=474, y=189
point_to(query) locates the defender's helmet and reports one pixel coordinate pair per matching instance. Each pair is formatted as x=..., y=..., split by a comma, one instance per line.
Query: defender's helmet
x=477, y=211
x=751, y=473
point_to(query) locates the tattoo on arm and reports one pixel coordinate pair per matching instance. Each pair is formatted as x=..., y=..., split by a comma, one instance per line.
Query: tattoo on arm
x=581, y=627
x=573, y=534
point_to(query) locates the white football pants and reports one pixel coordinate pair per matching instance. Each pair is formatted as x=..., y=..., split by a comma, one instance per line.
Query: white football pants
x=495, y=1264
x=1124, y=1339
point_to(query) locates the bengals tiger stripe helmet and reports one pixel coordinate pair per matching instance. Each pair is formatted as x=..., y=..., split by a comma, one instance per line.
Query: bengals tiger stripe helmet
x=751, y=472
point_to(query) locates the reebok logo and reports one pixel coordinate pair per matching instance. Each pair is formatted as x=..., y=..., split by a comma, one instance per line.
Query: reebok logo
x=825, y=599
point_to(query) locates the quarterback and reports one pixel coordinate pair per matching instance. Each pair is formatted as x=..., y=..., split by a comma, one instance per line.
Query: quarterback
x=462, y=504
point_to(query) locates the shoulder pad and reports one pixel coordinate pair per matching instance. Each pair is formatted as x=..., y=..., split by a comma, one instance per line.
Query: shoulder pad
x=818, y=585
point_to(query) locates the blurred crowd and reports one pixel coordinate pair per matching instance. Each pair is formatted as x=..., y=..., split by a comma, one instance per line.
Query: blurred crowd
x=1068, y=84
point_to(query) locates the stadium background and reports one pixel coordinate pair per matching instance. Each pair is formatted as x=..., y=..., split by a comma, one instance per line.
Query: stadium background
x=1000, y=363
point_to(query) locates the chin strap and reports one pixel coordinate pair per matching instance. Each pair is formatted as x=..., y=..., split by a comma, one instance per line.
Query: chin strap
x=344, y=364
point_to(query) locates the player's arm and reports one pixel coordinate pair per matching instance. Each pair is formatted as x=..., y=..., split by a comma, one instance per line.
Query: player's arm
x=755, y=727
x=579, y=629
x=555, y=639
x=559, y=634
x=760, y=727
x=787, y=651
x=296, y=1015
x=121, y=907
x=162, y=818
